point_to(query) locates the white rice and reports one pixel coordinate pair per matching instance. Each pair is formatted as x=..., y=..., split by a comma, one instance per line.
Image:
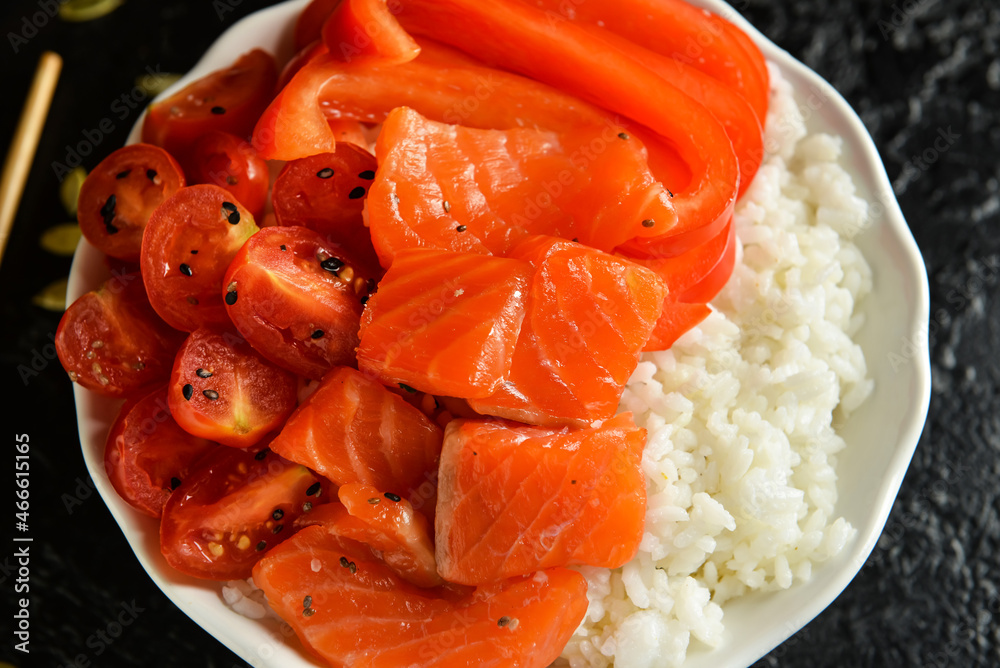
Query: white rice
x=741, y=456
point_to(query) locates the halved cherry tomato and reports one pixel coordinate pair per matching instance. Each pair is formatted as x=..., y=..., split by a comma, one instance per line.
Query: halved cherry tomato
x=147, y=455
x=188, y=244
x=118, y=197
x=234, y=507
x=297, y=299
x=111, y=340
x=230, y=100
x=222, y=389
x=326, y=193
x=233, y=164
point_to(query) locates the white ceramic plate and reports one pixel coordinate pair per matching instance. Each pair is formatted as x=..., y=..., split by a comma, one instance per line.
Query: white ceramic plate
x=881, y=435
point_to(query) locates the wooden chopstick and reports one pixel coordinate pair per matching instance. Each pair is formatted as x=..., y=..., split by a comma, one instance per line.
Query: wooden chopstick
x=22, y=148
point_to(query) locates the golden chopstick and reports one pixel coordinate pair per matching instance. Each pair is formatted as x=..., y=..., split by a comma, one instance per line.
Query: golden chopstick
x=22, y=148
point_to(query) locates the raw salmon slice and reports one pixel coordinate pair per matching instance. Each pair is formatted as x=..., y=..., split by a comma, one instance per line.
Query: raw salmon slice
x=513, y=499
x=354, y=430
x=589, y=314
x=354, y=612
x=387, y=524
x=445, y=323
x=499, y=186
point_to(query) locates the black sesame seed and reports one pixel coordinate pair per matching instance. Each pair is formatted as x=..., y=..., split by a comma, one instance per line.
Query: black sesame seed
x=669, y=192
x=111, y=229
x=277, y=528
x=307, y=602
x=313, y=490
x=622, y=135
x=344, y=562
x=186, y=270
x=357, y=193
x=308, y=612
x=108, y=210
x=175, y=483
x=278, y=514
x=188, y=391
x=231, y=213
x=325, y=173
x=192, y=300
x=461, y=228
x=284, y=247
x=211, y=395
x=218, y=111
x=307, y=506
x=151, y=174
x=649, y=222
x=352, y=567
x=261, y=546
x=364, y=300
x=393, y=497
x=122, y=175
x=503, y=621
x=407, y=388
x=231, y=297
x=202, y=373
x=332, y=264
x=261, y=455
x=572, y=482
x=474, y=453
x=367, y=175
x=194, y=252
x=318, y=334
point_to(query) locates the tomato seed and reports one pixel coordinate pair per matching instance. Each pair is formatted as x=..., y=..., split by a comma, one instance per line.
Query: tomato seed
x=325, y=173
x=307, y=506
x=187, y=391
x=202, y=373
x=278, y=514
x=318, y=334
x=503, y=621
x=218, y=111
x=261, y=455
x=367, y=175
x=447, y=206
x=313, y=490
x=186, y=270
x=261, y=546
x=277, y=528
x=211, y=395
x=357, y=193
x=393, y=497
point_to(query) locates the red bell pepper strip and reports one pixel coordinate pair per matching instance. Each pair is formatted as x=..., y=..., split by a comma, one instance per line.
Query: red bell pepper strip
x=524, y=39
x=366, y=31
x=439, y=85
x=675, y=319
x=683, y=32
x=309, y=26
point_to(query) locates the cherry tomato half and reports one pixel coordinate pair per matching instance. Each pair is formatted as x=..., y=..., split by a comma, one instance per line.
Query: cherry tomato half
x=111, y=340
x=222, y=389
x=118, y=197
x=326, y=193
x=297, y=299
x=147, y=455
x=234, y=507
x=188, y=244
x=231, y=163
x=230, y=99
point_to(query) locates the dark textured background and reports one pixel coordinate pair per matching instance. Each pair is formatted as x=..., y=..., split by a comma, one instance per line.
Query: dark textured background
x=928, y=595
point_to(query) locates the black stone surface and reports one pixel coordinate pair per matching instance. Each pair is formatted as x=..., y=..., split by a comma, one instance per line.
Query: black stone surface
x=928, y=595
